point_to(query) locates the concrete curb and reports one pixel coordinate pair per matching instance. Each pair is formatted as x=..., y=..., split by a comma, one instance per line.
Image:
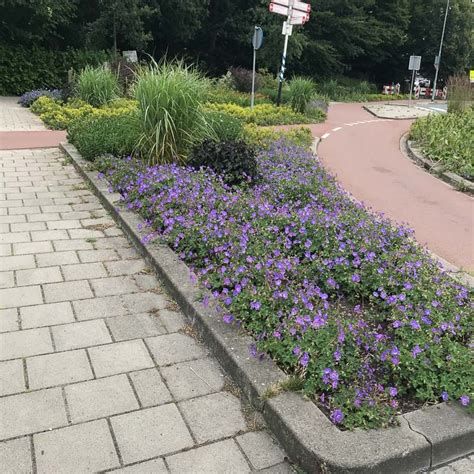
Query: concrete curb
x=410, y=149
x=307, y=435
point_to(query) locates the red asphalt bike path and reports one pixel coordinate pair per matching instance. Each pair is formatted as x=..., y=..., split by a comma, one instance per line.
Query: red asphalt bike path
x=363, y=152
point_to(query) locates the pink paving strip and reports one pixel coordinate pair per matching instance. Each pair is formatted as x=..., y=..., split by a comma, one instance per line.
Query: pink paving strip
x=17, y=140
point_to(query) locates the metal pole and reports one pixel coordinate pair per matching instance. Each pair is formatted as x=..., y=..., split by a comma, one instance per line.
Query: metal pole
x=439, y=54
x=411, y=86
x=283, y=58
x=252, y=98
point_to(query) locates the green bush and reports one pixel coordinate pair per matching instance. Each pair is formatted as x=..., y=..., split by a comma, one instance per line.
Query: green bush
x=235, y=161
x=169, y=101
x=301, y=92
x=97, y=86
x=224, y=125
x=263, y=137
x=224, y=95
x=96, y=135
x=448, y=139
x=23, y=69
x=344, y=89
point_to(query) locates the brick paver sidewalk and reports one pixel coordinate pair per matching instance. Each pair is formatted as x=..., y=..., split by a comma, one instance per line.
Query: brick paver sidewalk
x=98, y=368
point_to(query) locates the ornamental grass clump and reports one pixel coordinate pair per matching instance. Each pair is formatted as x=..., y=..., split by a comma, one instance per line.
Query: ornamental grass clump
x=169, y=101
x=302, y=90
x=97, y=85
x=339, y=297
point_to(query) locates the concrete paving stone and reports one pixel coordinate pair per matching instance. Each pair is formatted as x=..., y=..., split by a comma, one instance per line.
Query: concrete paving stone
x=113, y=232
x=75, y=215
x=12, y=219
x=155, y=466
x=84, y=271
x=146, y=281
x=85, y=234
x=41, y=235
x=17, y=262
x=125, y=267
x=135, y=326
x=70, y=290
x=87, y=206
x=7, y=280
x=8, y=320
x=261, y=450
x=37, y=202
x=5, y=250
x=127, y=252
x=107, y=221
x=172, y=320
x=22, y=296
x=87, y=447
x=88, y=256
x=57, y=208
x=25, y=210
x=193, y=378
x=114, y=286
x=223, y=457
x=50, y=194
x=213, y=416
x=46, y=315
x=32, y=248
x=100, y=398
x=73, y=244
x=282, y=468
x=28, y=413
x=145, y=302
x=5, y=228
x=25, y=343
x=57, y=258
x=14, y=237
x=150, y=387
x=99, y=308
x=463, y=465
x=12, y=379
x=174, y=348
x=444, y=470
x=68, y=200
x=15, y=456
x=78, y=335
x=12, y=203
x=36, y=276
x=145, y=434
x=70, y=224
x=58, y=369
x=119, y=357
x=50, y=216
x=27, y=226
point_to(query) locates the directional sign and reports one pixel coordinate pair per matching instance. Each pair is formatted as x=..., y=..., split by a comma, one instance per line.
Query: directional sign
x=415, y=63
x=299, y=16
x=257, y=38
x=304, y=7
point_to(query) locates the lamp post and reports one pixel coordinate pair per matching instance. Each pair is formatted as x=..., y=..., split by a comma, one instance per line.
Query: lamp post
x=439, y=53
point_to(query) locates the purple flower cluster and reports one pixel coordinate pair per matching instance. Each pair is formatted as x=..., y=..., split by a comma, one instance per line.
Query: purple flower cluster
x=29, y=97
x=334, y=293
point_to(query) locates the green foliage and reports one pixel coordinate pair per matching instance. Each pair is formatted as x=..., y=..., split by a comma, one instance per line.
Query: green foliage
x=262, y=137
x=460, y=93
x=265, y=114
x=448, y=139
x=172, y=121
x=225, y=126
x=96, y=135
x=23, y=69
x=301, y=91
x=235, y=161
x=97, y=86
x=346, y=90
x=225, y=95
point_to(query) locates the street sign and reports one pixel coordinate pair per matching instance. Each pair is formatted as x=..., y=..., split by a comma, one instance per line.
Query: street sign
x=304, y=7
x=297, y=16
x=257, y=38
x=287, y=29
x=415, y=63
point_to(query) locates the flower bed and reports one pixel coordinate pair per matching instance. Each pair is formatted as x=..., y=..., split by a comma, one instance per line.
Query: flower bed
x=345, y=302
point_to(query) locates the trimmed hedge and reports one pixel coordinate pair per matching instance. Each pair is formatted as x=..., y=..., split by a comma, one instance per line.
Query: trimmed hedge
x=24, y=69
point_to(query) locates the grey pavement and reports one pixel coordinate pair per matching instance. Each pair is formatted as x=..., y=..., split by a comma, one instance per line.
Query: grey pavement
x=14, y=117
x=98, y=368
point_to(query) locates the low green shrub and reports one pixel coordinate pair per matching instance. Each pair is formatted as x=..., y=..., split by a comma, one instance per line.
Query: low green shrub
x=96, y=135
x=263, y=137
x=224, y=125
x=301, y=91
x=448, y=139
x=263, y=114
x=234, y=161
x=97, y=86
x=224, y=95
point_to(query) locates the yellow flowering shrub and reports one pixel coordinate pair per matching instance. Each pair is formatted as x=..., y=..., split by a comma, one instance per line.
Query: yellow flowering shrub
x=262, y=137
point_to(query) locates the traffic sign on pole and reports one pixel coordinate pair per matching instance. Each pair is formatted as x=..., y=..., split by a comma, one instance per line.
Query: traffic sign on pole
x=297, y=15
x=257, y=40
x=302, y=6
x=415, y=63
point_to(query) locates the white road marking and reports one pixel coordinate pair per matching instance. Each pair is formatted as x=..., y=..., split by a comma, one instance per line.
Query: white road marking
x=325, y=136
x=336, y=129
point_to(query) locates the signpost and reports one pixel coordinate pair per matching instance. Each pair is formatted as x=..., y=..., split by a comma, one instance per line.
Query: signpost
x=257, y=40
x=297, y=13
x=413, y=65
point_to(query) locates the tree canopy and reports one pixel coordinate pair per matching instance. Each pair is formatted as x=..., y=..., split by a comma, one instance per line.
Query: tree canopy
x=370, y=39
